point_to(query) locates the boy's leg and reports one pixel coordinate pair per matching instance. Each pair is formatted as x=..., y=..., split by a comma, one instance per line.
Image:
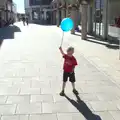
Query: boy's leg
x=65, y=77
x=72, y=80
x=62, y=93
x=73, y=85
x=74, y=89
x=63, y=86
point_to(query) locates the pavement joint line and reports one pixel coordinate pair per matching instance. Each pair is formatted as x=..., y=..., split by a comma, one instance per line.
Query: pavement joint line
x=29, y=98
x=16, y=108
x=19, y=91
x=30, y=83
x=104, y=73
x=6, y=99
x=41, y=107
x=57, y=116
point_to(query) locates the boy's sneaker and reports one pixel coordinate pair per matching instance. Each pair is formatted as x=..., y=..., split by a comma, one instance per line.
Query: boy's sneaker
x=62, y=93
x=75, y=92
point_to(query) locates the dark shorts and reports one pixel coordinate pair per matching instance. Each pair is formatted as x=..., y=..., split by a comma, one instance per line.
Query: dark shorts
x=67, y=75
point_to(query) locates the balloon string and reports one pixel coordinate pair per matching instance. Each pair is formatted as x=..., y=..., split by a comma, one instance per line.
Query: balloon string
x=62, y=38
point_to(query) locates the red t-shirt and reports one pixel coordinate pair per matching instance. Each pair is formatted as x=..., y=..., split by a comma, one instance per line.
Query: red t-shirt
x=69, y=63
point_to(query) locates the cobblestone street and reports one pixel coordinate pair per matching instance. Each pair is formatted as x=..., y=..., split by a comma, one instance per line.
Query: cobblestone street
x=31, y=79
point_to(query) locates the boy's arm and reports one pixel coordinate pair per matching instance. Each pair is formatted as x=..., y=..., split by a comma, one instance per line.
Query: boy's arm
x=61, y=51
x=73, y=68
x=75, y=63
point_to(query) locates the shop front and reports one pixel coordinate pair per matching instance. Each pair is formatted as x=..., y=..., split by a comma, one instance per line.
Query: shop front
x=38, y=11
x=114, y=19
x=41, y=15
x=98, y=17
x=105, y=20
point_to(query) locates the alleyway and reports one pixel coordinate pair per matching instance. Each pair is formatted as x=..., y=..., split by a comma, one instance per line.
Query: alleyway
x=31, y=78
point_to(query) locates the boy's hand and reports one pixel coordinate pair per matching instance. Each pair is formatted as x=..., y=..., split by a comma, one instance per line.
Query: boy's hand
x=60, y=47
x=73, y=70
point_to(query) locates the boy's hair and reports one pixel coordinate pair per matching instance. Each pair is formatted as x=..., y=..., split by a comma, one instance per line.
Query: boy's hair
x=70, y=49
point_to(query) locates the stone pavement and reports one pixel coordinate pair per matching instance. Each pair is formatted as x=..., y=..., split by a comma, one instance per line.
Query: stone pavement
x=31, y=78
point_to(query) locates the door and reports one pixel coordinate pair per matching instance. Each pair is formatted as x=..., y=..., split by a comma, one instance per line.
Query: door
x=98, y=18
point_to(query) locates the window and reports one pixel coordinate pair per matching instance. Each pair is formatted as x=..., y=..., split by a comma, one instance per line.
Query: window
x=114, y=19
x=39, y=2
x=34, y=2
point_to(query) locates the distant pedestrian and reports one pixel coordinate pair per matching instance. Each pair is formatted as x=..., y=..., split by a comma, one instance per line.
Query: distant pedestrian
x=27, y=22
x=23, y=19
x=68, y=70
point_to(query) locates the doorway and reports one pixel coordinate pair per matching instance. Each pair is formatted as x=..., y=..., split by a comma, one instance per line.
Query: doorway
x=98, y=18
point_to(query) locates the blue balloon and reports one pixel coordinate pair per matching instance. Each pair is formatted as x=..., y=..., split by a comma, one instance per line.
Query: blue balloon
x=67, y=24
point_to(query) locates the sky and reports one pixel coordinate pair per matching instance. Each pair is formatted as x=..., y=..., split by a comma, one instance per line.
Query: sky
x=20, y=5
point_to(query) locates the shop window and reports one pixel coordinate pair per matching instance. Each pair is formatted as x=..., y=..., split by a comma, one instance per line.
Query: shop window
x=39, y=2
x=98, y=17
x=35, y=15
x=114, y=19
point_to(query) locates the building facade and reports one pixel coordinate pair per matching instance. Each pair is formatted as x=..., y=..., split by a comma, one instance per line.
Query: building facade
x=38, y=11
x=7, y=12
x=65, y=8
x=2, y=13
x=103, y=16
x=14, y=12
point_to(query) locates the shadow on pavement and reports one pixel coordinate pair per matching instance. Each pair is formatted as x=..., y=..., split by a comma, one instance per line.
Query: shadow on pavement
x=83, y=108
x=8, y=33
x=111, y=44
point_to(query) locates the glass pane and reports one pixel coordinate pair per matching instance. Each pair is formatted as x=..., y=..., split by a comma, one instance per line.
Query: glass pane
x=114, y=19
x=98, y=16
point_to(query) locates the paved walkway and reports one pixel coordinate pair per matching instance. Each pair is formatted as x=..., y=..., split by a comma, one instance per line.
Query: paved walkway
x=30, y=80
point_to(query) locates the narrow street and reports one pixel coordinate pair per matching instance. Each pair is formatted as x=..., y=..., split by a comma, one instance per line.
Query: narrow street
x=31, y=79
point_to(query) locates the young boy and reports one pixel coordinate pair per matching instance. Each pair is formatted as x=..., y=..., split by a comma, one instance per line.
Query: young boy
x=69, y=66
